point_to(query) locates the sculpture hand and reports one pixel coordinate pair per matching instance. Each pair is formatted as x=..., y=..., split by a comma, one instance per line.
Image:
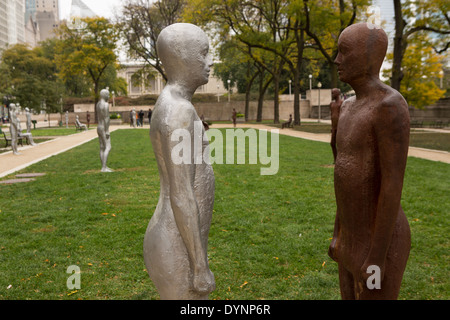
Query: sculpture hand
x=332, y=250
x=203, y=281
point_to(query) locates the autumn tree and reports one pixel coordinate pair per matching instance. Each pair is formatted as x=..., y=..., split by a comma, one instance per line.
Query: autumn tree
x=30, y=77
x=420, y=67
x=87, y=50
x=140, y=23
x=411, y=17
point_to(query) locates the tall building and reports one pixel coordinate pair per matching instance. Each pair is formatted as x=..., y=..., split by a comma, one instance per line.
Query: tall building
x=47, y=17
x=12, y=22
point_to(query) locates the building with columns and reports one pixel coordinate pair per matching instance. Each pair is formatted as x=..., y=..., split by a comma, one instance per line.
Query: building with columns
x=154, y=83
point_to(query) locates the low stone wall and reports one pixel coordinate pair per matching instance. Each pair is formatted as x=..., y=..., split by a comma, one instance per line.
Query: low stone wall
x=438, y=111
x=214, y=111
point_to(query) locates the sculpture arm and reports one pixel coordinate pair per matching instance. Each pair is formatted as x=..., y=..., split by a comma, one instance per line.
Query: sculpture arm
x=392, y=134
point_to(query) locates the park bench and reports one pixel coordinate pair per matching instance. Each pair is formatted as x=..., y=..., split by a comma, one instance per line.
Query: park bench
x=7, y=136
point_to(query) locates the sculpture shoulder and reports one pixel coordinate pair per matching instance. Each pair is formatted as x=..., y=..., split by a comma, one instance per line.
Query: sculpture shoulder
x=393, y=105
x=174, y=113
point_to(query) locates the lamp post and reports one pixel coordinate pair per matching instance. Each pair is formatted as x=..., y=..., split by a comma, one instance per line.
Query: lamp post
x=310, y=83
x=114, y=98
x=61, y=105
x=319, y=85
x=441, y=76
x=290, y=82
x=229, y=89
x=218, y=95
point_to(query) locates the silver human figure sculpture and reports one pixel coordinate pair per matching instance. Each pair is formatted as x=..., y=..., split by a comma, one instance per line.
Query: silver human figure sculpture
x=28, y=114
x=14, y=128
x=103, y=129
x=176, y=240
x=27, y=135
x=67, y=119
x=81, y=125
x=133, y=116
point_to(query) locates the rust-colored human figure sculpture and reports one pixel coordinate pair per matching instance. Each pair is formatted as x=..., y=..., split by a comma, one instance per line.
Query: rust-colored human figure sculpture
x=371, y=228
x=335, y=107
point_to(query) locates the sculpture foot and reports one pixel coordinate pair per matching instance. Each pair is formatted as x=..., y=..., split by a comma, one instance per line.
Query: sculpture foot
x=107, y=170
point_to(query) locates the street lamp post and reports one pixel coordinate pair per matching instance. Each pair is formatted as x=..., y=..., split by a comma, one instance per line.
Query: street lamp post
x=290, y=82
x=310, y=83
x=319, y=85
x=218, y=95
x=229, y=89
x=441, y=76
x=61, y=113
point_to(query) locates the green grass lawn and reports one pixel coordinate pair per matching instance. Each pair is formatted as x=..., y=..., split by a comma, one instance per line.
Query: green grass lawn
x=269, y=235
x=55, y=131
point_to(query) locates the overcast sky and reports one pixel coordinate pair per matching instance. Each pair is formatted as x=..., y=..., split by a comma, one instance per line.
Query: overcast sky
x=105, y=8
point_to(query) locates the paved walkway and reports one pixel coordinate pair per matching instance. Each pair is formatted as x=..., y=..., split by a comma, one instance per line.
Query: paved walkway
x=433, y=155
x=10, y=163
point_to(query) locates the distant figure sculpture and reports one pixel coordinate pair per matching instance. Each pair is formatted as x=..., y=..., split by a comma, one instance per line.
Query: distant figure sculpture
x=28, y=115
x=79, y=124
x=104, y=137
x=27, y=135
x=335, y=107
x=287, y=123
x=67, y=119
x=176, y=240
x=133, y=117
x=13, y=128
x=371, y=238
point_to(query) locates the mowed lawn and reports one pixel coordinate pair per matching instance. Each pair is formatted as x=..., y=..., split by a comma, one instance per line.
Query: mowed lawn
x=269, y=235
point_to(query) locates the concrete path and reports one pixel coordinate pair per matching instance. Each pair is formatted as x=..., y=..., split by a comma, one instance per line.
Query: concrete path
x=10, y=163
x=433, y=155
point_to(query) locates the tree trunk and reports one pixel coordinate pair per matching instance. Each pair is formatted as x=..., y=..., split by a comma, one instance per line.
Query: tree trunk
x=248, y=89
x=262, y=91
x=276, y=98
x=96, y=98
x=300, y=46
x=399, y=46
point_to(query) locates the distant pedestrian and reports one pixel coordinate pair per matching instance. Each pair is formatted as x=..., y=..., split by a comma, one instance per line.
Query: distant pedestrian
x=141, y=118
x=88, y=118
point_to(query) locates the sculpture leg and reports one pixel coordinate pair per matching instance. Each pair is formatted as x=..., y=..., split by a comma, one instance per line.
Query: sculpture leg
x=346, y=283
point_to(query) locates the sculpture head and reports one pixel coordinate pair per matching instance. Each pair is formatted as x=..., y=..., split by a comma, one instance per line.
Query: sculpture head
x=361, y=51
x=104, y=94
x=27, y=110
x=12, y=107
x=335, y=93
x=184, y=52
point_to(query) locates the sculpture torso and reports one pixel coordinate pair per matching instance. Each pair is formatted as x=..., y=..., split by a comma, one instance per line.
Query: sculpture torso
x=358, y=172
